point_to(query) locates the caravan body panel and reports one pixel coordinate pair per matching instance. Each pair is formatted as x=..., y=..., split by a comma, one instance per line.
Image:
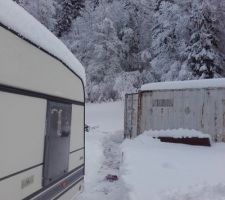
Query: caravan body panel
x=30, y=78
x=25, y=66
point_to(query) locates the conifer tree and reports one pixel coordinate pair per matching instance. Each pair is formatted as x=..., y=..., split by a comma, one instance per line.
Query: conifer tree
x=204, y=57
x=69, y=10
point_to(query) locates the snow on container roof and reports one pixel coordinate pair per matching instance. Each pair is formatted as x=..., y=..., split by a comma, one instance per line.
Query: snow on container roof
x=192, y=84
x=17, y=19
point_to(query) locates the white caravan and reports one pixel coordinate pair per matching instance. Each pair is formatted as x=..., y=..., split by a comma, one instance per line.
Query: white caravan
x=41, y=111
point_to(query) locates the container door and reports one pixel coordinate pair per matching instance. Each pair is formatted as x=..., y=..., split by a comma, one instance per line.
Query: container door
x=57, y=141
x=131, y=116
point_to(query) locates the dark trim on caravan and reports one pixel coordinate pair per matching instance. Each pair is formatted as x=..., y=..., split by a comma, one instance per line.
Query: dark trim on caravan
x=62, y=185
x=19, y=172
x=45, y=96
x=13, y=90
x=69, y=188
x=30, y=93
x=42, y=49
x=76, y=150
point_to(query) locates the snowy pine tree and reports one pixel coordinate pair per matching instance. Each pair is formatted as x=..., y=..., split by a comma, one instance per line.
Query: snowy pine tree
x=166, y=40
x=204, y=57
x=68, y=11
x=126, y=43
x=104, y=69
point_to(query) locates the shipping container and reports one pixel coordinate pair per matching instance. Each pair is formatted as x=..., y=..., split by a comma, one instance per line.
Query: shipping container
x=198, y=105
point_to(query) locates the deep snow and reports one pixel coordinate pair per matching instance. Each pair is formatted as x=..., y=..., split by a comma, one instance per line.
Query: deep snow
x=158, y=171
x=103, y=152
x=105, y=116
x=147, y=169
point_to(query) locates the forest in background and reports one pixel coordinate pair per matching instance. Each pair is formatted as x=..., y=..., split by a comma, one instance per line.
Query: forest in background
x=126, y=43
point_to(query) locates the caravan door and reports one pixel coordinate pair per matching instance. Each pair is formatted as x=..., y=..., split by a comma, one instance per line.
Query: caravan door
x=57, y=141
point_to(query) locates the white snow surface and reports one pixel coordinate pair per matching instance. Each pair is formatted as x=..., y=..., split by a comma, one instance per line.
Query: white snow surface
x=17, y=19
x=192, y=84
x=103, y=155
x=147, y=168
x=165, y=171
x=177, y=133
x=105, y=116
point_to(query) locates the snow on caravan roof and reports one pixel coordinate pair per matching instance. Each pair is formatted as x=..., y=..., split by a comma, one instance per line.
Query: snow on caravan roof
x=17, y=19
x=176, y=85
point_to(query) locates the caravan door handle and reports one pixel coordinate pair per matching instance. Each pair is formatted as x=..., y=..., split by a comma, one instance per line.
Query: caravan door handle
x=65, y=134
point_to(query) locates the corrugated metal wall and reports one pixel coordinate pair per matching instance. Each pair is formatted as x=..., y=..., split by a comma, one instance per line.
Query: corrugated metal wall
x=130, y=115
x=199, y=109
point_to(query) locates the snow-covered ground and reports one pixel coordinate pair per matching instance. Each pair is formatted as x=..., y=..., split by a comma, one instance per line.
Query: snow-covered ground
x=105, y=116
x=103, y=154
x=156, y=170
x=146, y=168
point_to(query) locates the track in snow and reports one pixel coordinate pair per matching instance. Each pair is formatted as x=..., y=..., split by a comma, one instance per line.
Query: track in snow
x=105, y=189
x=111, y=166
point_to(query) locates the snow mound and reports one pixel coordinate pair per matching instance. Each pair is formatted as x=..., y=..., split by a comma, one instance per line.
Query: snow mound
x=177, y=133
x=199, y=192
x=17, y=19
x=164, y=171
x=193, y=84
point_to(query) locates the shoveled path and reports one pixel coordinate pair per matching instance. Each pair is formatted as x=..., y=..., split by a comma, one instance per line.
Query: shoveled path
x=105, y=189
